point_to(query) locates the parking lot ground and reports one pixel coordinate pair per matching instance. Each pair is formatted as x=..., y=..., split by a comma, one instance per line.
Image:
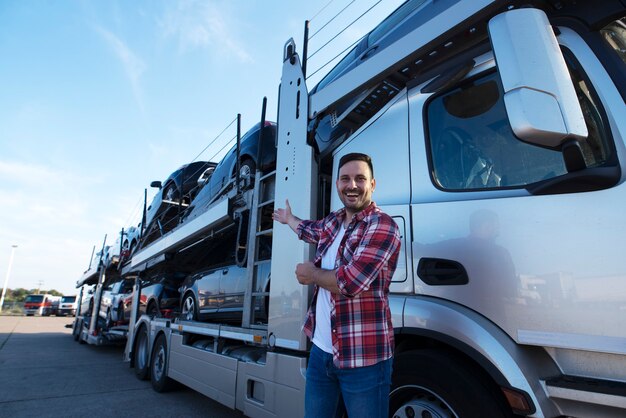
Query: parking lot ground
x=45, y=373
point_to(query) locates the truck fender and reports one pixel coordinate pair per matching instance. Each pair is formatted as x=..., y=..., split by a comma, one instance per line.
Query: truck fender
x=463, y=330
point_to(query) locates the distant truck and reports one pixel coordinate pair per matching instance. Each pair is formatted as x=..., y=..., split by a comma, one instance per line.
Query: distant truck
x=43, y=304
x=67, y=306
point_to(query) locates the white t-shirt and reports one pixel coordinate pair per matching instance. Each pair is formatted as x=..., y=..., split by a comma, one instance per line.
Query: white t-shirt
x=322, y=336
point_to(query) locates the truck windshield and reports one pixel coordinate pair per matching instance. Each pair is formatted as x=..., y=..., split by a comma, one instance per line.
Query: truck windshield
x=34, y=298
x=68, y=299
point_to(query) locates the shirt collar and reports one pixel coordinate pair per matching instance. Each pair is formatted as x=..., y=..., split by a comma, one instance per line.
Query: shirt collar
x=341, y=213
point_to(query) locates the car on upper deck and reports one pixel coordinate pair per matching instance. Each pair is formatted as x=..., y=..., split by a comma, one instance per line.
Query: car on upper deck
x=173, y=198
x=217, y=294
x=223, y=178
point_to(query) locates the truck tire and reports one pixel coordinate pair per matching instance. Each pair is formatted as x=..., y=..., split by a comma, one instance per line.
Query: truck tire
x=141, y=356
x=437, y=384
x=158, y=366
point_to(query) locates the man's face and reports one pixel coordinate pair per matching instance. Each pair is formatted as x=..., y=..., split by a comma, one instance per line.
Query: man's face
x=355, y=186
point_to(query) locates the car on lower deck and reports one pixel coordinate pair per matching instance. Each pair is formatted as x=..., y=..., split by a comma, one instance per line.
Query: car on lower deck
x=111, y=301
x=159, y=296
x=217, y=294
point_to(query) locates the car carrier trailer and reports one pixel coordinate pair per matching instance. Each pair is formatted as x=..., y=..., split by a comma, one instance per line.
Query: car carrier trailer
x=510, y=293
x=88, y=326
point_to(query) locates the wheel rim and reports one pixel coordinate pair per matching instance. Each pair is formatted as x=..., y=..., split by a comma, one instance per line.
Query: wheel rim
x=142, y=351
x=245, y=171
x=419, y=402
x=189, y=308
x=159, y=363
x=169, y=193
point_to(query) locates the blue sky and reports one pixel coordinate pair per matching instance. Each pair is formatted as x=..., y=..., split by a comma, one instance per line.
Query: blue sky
x=99, y=98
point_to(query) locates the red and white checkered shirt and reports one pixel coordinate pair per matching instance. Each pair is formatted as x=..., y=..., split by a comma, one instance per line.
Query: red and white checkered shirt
x=360, y=322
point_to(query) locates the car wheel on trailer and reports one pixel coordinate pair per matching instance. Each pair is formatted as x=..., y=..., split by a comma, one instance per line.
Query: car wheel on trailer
x=439, y=385
x=152, y=310
x=120, y=313
x=141, y=358
x=109, y=319
x=247, y=169
x=158, y=366
x=171, y=193
x=189, y=309
x=78, y=325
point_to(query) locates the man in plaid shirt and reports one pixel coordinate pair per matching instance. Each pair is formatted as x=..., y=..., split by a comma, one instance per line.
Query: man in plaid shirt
x=349, y=321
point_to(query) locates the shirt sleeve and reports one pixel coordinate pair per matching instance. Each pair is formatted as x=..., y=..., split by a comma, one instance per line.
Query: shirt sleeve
x=310, y=231
x=380, y=241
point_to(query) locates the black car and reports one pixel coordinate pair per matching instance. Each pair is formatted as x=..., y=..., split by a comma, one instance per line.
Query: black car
x=173, y=198
x=221, y=181
x=407, y=17
x=217, y=294
x=159, y=296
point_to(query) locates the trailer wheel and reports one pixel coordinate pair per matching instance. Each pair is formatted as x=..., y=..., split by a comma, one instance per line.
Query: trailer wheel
x=141, y=358
x=438, y=385
x=189, y=309
x=158, y=366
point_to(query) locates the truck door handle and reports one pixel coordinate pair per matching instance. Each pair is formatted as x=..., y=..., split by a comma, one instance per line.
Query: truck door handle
x=441, y=272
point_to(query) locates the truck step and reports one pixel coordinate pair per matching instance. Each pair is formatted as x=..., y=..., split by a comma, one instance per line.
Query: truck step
x=587, y=390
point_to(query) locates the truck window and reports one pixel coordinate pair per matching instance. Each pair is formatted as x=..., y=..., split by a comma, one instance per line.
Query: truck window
x=472, y=146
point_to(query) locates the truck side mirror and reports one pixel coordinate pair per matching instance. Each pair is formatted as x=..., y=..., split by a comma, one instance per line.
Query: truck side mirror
x=156, y=184
x=539, y=96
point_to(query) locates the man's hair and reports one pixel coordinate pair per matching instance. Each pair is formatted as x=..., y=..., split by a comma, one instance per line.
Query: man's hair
x=356, y=156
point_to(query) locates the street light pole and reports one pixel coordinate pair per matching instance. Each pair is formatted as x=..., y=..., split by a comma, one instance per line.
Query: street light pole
x=6, y=279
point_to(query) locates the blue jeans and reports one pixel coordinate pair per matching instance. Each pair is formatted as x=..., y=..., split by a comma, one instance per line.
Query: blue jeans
x=364, y=391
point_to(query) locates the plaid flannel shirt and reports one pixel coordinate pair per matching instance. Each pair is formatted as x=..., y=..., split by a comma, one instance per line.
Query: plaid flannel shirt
x=362, y=333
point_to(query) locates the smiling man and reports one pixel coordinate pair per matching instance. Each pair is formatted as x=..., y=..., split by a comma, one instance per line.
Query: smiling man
x=349, y=320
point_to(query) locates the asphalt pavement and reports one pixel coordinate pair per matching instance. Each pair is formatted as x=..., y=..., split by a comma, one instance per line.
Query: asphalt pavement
x=45, y=373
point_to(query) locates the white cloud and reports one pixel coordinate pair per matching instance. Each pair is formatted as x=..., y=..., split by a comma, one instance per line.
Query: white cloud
x=133, y=66
x=198, y=24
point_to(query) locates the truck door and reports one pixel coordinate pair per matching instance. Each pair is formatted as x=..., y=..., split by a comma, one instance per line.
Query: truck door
x=534, y=248
x=386, y=140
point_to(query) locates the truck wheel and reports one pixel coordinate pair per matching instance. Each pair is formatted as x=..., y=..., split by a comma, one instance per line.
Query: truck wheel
x=158, y=366
x=141, y=358
x=439, y=385
x=189, y=309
